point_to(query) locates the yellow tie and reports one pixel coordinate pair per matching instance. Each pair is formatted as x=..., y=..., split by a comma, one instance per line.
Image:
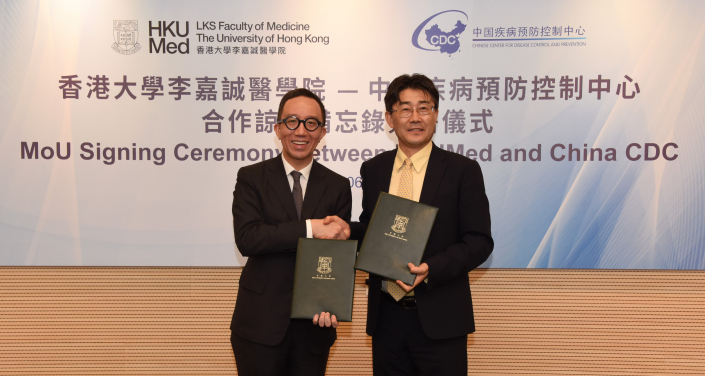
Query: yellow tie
x=406, y=190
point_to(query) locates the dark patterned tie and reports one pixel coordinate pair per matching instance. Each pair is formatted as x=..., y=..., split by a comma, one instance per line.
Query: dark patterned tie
x=298, y=194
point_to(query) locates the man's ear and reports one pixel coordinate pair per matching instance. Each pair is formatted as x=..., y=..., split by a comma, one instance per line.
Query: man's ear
x=389, y=119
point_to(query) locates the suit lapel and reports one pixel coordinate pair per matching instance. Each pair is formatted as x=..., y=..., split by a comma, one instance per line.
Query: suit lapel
x=315, y=188
x=385, y=173
x=276, y=176
x=434, y=173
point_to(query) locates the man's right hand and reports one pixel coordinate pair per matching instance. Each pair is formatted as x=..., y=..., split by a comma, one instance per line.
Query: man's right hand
x=330, y=230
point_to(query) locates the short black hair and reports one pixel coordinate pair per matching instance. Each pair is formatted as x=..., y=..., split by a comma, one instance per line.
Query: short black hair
x=405, y=81
x=301, y=92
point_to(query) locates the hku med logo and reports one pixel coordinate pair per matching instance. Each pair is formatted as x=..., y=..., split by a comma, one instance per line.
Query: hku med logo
x=171, y=30
x=125, y=34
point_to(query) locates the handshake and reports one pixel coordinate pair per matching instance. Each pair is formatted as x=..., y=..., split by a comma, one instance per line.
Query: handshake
x=330, y=227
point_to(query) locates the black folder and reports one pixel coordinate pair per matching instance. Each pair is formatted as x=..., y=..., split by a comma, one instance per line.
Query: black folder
x=324, y=279
x=396, y=236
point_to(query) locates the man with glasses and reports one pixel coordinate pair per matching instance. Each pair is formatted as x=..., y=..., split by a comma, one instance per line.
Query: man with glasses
x=422, y=329
x=275, y=203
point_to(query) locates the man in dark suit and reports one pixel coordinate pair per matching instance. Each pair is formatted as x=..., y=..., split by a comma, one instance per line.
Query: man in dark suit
x=275, y=203
x=422, y=329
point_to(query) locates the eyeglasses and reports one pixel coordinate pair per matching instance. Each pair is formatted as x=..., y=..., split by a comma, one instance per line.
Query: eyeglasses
x=292, y=122
x=407, y=111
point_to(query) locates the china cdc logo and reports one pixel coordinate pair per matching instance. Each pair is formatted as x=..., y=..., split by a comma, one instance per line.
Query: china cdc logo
x=441, y=32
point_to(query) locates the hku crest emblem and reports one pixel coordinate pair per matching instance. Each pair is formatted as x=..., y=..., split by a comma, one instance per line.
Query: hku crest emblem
x=125, y=34
x=324, y=265
x=400, y=223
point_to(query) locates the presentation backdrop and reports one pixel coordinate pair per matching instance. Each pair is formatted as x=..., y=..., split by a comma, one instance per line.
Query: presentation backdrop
x=124, y=123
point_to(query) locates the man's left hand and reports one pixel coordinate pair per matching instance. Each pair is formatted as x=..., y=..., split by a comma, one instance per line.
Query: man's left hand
x=421, y=272
x=325, y=319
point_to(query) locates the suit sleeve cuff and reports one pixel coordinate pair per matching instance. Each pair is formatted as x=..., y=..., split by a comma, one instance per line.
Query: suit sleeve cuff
x=309, y=229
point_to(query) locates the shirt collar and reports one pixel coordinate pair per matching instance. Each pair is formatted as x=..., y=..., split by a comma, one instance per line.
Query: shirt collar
x=419, y=159
x=305, y=172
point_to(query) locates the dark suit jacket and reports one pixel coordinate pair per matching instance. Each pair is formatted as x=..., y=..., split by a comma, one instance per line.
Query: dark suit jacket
x=460, y=239
x=267, y=230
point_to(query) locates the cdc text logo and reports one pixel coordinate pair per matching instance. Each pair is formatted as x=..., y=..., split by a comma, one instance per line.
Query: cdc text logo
x=441, y=32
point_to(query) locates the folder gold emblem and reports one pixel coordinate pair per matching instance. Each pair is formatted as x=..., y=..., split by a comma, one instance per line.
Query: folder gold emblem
x=400, y=224
x=324, y=265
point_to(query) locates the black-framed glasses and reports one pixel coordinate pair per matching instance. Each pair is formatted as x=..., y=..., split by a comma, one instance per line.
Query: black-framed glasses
x=407, y=111
x=292, y=122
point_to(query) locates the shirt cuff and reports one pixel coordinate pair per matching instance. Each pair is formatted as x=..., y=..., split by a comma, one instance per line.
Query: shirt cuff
x=309, y=229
